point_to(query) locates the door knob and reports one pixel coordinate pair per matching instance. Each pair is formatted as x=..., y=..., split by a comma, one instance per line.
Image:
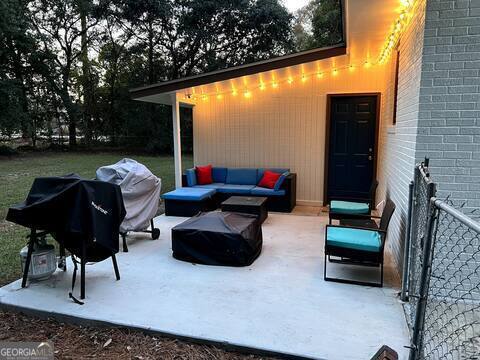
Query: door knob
x=370, y=157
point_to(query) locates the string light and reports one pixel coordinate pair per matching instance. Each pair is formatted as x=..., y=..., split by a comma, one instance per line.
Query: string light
x=398, y=26
x=391, y=41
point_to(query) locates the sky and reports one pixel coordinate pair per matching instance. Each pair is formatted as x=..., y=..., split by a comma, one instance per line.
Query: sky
x=294, y=5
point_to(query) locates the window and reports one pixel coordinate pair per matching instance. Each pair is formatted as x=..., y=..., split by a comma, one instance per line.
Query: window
x=395, y=92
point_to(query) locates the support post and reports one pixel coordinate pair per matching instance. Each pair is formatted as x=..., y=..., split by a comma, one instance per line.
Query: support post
x=177, y=141
x=406, y=246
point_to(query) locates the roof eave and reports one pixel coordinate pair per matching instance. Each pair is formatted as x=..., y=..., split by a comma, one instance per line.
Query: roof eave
x=239, y=71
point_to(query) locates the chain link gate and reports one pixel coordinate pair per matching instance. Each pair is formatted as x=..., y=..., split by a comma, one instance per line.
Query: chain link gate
x=423, y=190
x=444, y=277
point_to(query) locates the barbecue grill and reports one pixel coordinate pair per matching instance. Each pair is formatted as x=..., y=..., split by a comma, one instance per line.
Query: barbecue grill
x=83, y=216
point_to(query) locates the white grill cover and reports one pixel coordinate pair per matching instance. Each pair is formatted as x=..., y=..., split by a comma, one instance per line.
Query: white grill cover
x=140, y=191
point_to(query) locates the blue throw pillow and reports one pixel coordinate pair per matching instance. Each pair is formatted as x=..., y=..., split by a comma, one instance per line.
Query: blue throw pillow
x=280, y=181
x=191, y=177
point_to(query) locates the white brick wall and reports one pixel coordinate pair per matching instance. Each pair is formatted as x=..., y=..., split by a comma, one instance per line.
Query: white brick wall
x=449, y=117
x=397, y=143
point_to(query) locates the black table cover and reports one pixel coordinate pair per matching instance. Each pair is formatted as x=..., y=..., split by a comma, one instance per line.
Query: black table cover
x=218, y=238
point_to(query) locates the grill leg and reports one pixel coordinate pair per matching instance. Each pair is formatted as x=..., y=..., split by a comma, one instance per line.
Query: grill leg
x=29, y=257
x=124, y=238
x=82, y=272
x=115, y=267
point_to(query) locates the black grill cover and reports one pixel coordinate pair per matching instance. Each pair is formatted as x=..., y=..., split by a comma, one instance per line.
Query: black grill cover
x=74, y=211
x=218, y=238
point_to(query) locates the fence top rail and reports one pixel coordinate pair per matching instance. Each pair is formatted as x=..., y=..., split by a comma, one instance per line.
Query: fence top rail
x=464, y=219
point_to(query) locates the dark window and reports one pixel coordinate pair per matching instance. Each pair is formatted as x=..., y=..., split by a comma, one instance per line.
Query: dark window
x=395, y=93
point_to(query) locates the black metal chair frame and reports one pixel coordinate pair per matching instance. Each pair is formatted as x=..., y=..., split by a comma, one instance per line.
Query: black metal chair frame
x=339, y=216
x=153, y=230
x=33, y=238
x=360, y=257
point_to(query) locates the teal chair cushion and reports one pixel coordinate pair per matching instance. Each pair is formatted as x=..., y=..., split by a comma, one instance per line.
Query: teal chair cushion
x=356, y=239
x=349, y=207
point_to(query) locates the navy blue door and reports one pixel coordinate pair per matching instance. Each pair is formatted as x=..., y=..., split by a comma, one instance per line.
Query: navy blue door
x=351, y=147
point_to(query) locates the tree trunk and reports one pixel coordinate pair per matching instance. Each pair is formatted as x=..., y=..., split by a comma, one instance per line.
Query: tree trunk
x=86, y=80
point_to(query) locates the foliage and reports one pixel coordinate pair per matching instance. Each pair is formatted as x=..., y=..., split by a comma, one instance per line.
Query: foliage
x=66, y=66
x=318, y=24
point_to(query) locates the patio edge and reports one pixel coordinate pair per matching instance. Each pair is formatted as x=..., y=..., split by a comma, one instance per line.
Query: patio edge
x=225, y=345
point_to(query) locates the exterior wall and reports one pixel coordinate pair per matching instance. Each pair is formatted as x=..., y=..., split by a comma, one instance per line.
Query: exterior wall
x=283, y=127
x=449, y=118
x=398, y=142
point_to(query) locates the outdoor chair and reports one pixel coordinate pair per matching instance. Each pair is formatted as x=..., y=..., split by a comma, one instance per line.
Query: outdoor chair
x=358, y=245
x=340, y=209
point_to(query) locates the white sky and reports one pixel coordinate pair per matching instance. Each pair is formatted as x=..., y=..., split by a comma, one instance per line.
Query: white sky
x=294, y=5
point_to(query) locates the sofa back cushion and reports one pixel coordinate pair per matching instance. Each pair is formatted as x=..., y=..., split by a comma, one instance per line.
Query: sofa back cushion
x=219, y=174
x=191, y=177
x=261, y=171
x=241, y=176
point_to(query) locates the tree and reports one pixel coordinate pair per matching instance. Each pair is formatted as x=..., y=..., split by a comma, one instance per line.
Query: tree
x=318, y=24
x=15, y=46
x=58, y=27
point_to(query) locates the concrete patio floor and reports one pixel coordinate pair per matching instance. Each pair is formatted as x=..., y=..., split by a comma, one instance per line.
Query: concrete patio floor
x=280, y=303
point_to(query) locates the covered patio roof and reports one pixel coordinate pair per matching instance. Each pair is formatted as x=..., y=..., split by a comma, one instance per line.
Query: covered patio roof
x=368, y=30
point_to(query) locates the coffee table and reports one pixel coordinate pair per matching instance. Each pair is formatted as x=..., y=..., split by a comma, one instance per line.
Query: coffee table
x=248, y=205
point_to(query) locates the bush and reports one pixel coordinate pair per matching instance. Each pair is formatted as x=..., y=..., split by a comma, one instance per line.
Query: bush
x=7, y=151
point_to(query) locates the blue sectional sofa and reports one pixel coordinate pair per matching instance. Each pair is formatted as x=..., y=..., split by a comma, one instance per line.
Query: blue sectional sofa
x=243, y=182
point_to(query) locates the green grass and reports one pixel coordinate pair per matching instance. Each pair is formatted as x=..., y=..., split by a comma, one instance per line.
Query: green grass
x=16, y=177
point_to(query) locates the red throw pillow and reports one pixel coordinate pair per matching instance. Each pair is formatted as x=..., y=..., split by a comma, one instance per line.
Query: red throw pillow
x=204, y=174
x=269, y=179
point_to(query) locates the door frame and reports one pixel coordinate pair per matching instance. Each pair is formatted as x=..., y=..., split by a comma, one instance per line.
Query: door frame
x=378, y=96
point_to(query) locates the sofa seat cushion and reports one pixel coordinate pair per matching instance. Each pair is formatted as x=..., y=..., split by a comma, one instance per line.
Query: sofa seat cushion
x=235, y=189
x=241, y=176
x=214, y=185
x=261, y=191
x=356, y=239
x=349, y=207
x=189, y=194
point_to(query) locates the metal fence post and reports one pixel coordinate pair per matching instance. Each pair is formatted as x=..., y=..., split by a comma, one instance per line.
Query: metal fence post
x=424, y=278
x=406, y=246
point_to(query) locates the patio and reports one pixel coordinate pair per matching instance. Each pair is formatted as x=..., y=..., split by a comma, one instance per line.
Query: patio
x=280, y=304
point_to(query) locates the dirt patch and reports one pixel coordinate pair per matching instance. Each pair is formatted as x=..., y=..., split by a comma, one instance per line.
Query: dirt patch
x=77, y=342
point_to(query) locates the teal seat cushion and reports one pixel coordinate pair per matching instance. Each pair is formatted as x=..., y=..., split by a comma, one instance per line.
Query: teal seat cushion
x=356, y=239
x=189, y=194
x=349, y=207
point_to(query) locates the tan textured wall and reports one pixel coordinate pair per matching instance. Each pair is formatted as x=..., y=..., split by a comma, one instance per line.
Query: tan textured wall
x=283, y=127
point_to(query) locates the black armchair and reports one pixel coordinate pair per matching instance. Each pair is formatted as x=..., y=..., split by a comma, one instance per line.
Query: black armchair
x=358, y=245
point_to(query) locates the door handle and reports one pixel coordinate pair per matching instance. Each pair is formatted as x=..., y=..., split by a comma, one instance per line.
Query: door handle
x=370, y=157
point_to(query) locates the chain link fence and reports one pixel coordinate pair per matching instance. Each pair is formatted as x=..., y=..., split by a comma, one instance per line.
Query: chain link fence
x=443, y=289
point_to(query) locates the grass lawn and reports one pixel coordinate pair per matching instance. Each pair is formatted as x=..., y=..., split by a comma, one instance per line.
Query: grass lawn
x=16, y=177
